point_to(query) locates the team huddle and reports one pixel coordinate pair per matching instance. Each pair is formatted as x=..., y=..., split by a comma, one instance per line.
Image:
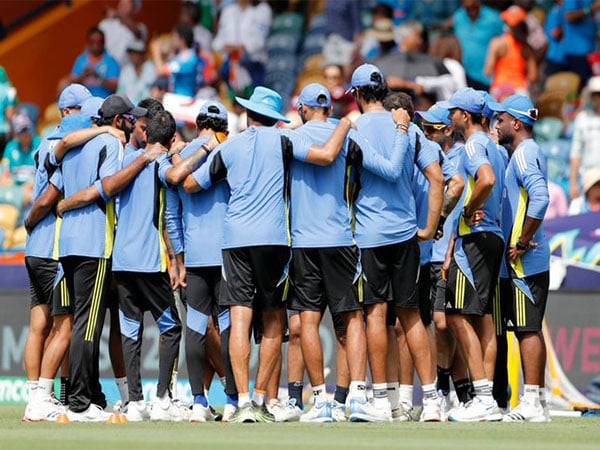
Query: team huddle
x=425, y=244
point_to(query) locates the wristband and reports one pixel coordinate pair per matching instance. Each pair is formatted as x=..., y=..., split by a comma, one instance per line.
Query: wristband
x=465, y=215
x=402, y=127
x=205, y=148
x=521, y=246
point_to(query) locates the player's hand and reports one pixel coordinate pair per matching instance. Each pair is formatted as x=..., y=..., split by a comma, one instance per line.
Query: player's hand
x=475, y=219
x=445, y=268
x=60, y=208
x=345, y=122
x=514, y=253
x=152, y=153
x=182, y=276
x=425, y=235
x=177, y=147
x=439, y=234
x=173, y=275
x=212, y=143
x=119, y=134
x=401, y=117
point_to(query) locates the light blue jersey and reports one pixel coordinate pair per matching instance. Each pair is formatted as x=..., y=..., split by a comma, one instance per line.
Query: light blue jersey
x=454, y=157
x=139, y=242
x=526, y=195
x=386, y=210
x=480, y=150
x=89, y=231
x=202, y=216
x=321, y=196
x=255, y=164
x=43, y=240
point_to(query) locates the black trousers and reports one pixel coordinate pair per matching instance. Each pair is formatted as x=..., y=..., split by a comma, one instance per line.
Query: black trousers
x=138, y=293
x=88, y=280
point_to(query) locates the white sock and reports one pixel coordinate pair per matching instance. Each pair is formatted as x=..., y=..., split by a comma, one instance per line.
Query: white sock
x=543, y=398
x=258, y=397
x=393, y=391
x=405, y=393
x=380, y=395
x=358, y=390
x=429, y=391
x=32, y=386
x=243, y=399
x=483, y=388
x=44, y=389
x=164, y=399
x=319, y=393
x=123, y=389
x=531, y=393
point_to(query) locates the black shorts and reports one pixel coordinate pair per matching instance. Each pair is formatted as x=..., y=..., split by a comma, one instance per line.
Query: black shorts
x=256, y=277
x=519, y=313
x=438, y=288
x=424, y=284
x=48, y=285
x=203, y=290
x=325, y=277
x=483, y=253
x=392, y=267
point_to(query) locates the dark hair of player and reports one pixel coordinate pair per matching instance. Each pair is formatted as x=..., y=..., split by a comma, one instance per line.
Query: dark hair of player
x=263, y=120
x=185, y=33
x=395, y=100
x=161, y=128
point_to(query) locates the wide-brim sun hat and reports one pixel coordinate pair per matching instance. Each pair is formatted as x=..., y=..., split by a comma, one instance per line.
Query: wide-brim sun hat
x=266, y=102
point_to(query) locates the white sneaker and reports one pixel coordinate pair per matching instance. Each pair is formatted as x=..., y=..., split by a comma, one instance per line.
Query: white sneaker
x=185, y=410
x=432, y=411
x=228, y=412
x=93, y=414
x=526, y=412
x=480, y=409
x=319, y=413
x=43, y=410
x=166, y=410
x=137, y=411
x=402, y=413
x=338, y=412
x=445, y=405
x=285, y=412
x=200, y=413
x=367, y=411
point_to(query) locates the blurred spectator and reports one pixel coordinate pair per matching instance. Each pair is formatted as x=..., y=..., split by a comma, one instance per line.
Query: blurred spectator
x=536, y=38
x=558, y=206
x=401, y=9
x=342, y=102
x=555, y=57
x=183, y=66
x=586, y=136
x=510, y=61
x=159, y=88
x=8, y=100
x=20, y=151
x=579, y=35
x=95, y=68
x=343, y=30
x=431, y=13
x=138, y=75
x=475, y=26
x=190, y=16
x=121, y=29
x=242, y=35
x=590, y=201
x=379, y=40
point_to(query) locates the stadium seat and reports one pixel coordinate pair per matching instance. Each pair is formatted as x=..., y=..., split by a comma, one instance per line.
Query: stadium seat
x=563, y=81
x=551, y=103
x=288, y=22
x=283, y=42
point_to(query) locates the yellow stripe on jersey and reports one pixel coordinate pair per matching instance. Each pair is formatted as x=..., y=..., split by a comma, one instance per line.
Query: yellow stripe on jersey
x=286, y=289
x=96, y=300
x=497, y=312
x=361, y=291
x=460, y=289
x=162, y=246
x=109, y=229
x=55, y=247
x=463, y=228
x=517, y=230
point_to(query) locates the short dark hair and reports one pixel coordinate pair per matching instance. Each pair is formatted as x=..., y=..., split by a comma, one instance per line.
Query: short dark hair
x=94, y=30
x=372, y=94
x=204, y=122
x=384, y=10
x=185, y=33
x=263, y=120
x=161, y=128
x=192, y=9
x=152, y=105
x=395, y=100
x=476, y=118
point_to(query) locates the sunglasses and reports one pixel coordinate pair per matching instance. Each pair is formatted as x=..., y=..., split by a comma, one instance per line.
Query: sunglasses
x=130, y=118
x=434, y=126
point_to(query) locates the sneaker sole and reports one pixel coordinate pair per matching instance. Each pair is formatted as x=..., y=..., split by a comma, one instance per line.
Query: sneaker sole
x=318, y=420
x=357, y=417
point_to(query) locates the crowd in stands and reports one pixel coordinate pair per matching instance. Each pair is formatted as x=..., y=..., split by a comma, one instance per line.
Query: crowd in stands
x=428, y=48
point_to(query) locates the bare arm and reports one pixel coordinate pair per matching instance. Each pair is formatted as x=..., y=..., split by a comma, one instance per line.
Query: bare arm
x=78, y=200
x=42, y=206
x=574, y=177
x=325, y=155
x=532, y=68
x=453, y=192
x=435, y=197
x=483, y=187
x=113, y=184
x=580, y=14
x=80, y=137
x=492, y=56
x=183, y=168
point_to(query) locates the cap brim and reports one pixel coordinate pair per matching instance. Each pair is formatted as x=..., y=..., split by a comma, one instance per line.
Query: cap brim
x=430, y=118
x=496, y=107
x=138, y=111
x=261, y=109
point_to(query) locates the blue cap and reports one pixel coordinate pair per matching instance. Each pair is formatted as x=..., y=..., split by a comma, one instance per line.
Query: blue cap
x=487, y=111
x=316, y=95
x=519, y=106
x=213, y=109
x=467, y=99
x=367, y=75
x=436, y=114
x=91, y=107
x=266, y=102
x=70, y=123
x=73, y=96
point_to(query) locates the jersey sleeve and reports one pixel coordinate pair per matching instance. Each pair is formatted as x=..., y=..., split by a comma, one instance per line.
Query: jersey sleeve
x=300, y=144
x=212, y=170
x=475, y=157
x=109, y=164
x=359, y=148
x=57, y=180
x=427, y=154
x=164, y=164
x=173, y=220
x=531, y=177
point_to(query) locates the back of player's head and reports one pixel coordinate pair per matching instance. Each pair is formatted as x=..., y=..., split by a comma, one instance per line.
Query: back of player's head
x=186, y=34
x=369, y=83
x=161, y=129
x=212, y=116
x=152, y=105
x=396, y=100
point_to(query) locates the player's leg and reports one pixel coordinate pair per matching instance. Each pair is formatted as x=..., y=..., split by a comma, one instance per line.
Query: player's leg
x=405, y=375
x=377, y=350
x=342, y=372
x=272, y=390
x=393, y=365
x=89, y=280
x=295, y=363
x=231, y=393
x=115, y=346
x=501, y=367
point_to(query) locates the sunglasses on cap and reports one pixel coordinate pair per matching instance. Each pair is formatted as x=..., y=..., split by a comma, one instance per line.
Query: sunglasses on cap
x=435, y=126
x=130, y=117
x=531, y=113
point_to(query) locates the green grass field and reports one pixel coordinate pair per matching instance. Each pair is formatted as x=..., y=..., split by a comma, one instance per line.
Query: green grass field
x=560, y=434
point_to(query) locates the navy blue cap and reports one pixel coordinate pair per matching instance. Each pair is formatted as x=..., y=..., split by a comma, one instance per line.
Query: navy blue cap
x=519, y=106
x=467, y=99
x=73, y=96
x=315, y=95
x=436, y=114
x=367, y=75
x=213, y=109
